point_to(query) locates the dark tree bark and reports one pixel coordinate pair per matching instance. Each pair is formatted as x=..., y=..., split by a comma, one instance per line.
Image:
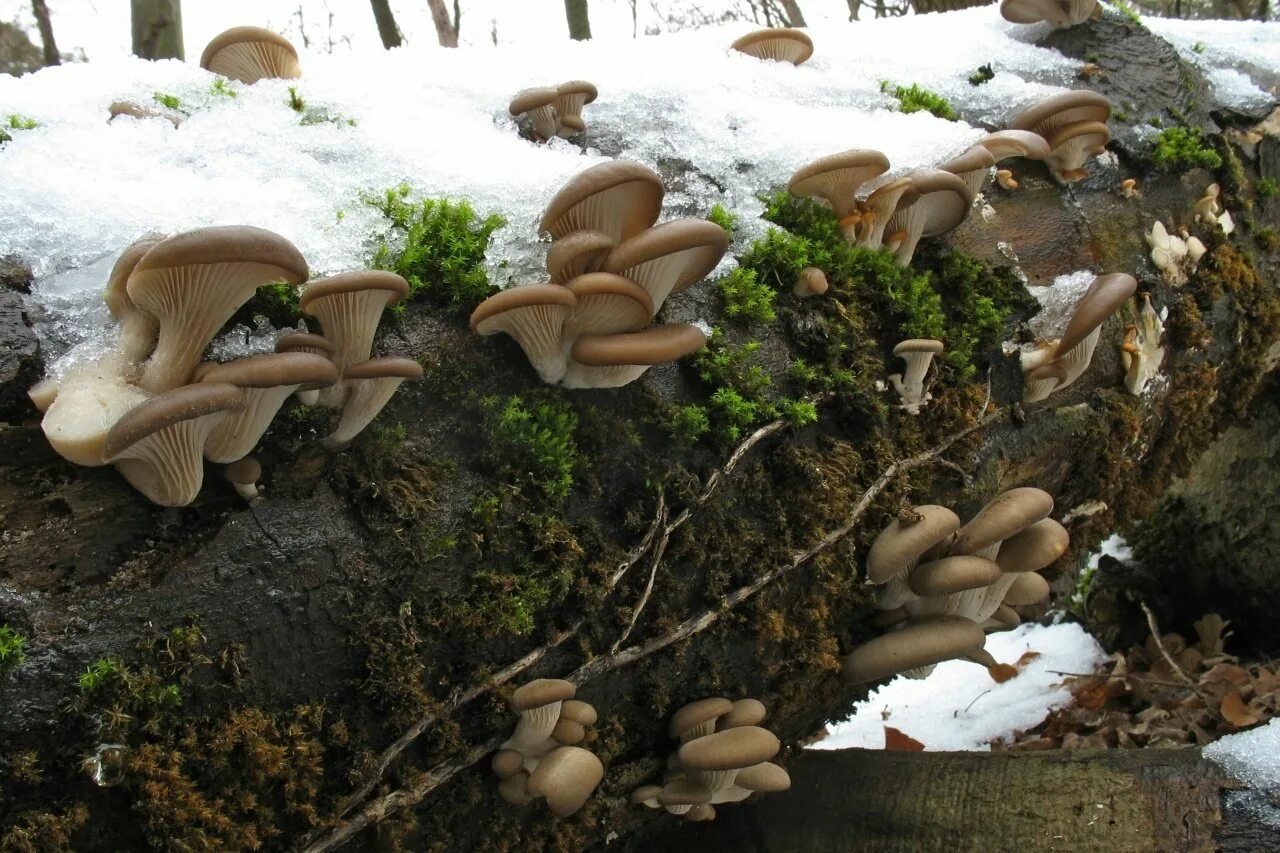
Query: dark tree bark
x=575, y=11
x=446, y=29
x=795, y=18
x=854, y=6
x=1095, y=800
x=41, y=11
x=157, y=29
x=387, y=29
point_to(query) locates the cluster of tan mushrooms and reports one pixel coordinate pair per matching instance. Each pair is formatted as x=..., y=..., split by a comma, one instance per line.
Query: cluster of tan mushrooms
x=780, y=44
x=1175, y=255
x=943, y=584
x=542, y=758
x=1053, y=365
x=611, y=269
x=550, y=111
x=723, y=758
x=1061, y=13
x=154, y=411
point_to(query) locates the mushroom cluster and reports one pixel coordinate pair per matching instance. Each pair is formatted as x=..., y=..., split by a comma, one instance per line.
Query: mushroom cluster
x=542, y=758
x=611, y=268
x=1141, y=353
x=918, y=353
x=1175, y=255
x=1061, y=13
x=781, y=44
x=1074, y=124
x=1053, y=365
x=943, y=584
x=154, y=411
x=723, y=758
x=1210, y=210
x=249, y=54
x=549, y=111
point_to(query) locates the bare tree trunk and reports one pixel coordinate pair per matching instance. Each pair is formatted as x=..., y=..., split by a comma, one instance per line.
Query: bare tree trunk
x=157, y=29
x=795, y=18
x=575, y=11
x=387, y=29
x=51, y=55
x=854, y=6
x=446, y=30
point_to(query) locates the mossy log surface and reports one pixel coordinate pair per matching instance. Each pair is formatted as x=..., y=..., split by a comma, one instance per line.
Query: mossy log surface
x=1138, y=801
x=219, y=677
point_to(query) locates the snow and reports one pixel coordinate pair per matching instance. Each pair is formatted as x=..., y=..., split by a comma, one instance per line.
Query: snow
x=958, y=707
x=1248, y=48
x=1253, y=758
x=1058, y=301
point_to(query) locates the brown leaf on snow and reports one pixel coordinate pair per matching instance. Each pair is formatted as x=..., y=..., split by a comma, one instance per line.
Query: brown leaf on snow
x=1002, y=672
x=900, y=741
x=1027, y=657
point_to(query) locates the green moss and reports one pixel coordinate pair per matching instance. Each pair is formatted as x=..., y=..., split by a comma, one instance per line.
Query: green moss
x=99, y=673
x=222, y=89
x=1128, y=11
x=170, y=102
x=440, y=250
x=295, y=102
x=984, y=74
x=721, y=364
x=724, y=218
x=1179, y=148
x=1268, y=239
x=913, y=99
x=278, y=302
x=735, y=414
x=18, y=122
x=1266, y=188
x=532, y=445
x=687, y=424
x=745, y=297
x=1198, y=47
x=13, y=650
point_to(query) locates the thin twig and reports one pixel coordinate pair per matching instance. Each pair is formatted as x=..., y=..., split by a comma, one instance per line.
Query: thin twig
x=418, y=790
x=1155, y=635
x=1140, y=675
x=648, y=589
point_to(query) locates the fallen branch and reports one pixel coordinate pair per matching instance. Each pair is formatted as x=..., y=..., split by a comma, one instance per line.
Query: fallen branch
x=648, y=589
x=1155, y=635
x=414, y=793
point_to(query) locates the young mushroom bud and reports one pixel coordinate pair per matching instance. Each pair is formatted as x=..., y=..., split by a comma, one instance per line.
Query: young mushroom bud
x=244, y=474
x=918, y=354
x=1129, y=188
x=1005, y=179
x=538, y=704
x=811, y=282
x=566, y=777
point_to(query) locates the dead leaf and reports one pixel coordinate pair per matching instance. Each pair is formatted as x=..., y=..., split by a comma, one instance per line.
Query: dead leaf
x=899, y=741
x=1027, y=657
x=1228, y=672
x=1236, y=712
x=1002, y=672
x=1210, y=629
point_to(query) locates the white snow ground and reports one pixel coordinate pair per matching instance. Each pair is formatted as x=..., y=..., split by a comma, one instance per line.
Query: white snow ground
x=1252, y=757
x=959, y=707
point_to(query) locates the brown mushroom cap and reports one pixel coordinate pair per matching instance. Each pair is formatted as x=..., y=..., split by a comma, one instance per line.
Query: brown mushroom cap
x=972, y=167
x=1034, y=548
x=918, y=644
x=654, y=345
x=566, y=777
x=730, y=749
x=587, y=90
x=1034, y=11
x=577, y=253
x=837, y=178
x=698, y=714
x=532, y=99
x=899, y=545
x=1103, y=298
x=1015, y=143
x=193, y=282
x=684, y=792
x=1005, y=618
x=138, y=328
x=1008, y=513
x=765, y=777
x=953, y=574
x=607, y=304
x=928, y=345
x=248, y=54
x=811, y=282
x=644, y=794
x=533, y=314
x=243, y=472
x=700, y=812
x=745, y=712
x=619, y=198
x=305, y=342
x=568, y=732
x=578, y=711
x=780, y=43
x=349, y=307
x=944, y=199
x=669, y=257
x=573, y=124
x=1027, y=588
x=541, y=691
x=507, y=762
x=1077, y=105
x=882, y=200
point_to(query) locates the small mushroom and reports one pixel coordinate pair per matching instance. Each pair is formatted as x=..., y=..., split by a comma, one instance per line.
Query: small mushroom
x=810, y=282
x=679, y=796
x=369, y=386
x=1008, y=513
x=611, y=361
x=514, y=789
x=669, y=257
x=714, y=760
x=837, y=179
x=780, y=44
x=1074, y=124
x=918, y=644
x=698, y=719
x=1027, y=588
x=243, y=475
x=745, y=712
x=972, y=167
x=700, y=813
x=647, y=795
x=765, y=778
x=538, y=704
x=1072, y=145
x=1005, y=179
x=576, y=254
x=1129, y=188
x=566, y=777
x=1035, y=11
x=349, y=307
x=618, y=198
x=538, y=107
x=942, y=203
x=882, y=197
x=900, y=546
x=918, y=354
x=1141, y=352
x=534, y=315
x=939, y=584
x=571, y=97
x=249, y=54
x=138, y=111
x=507, y=763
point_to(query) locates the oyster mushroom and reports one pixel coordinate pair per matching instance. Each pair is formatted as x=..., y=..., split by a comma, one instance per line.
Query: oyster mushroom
x=1004, y=144
x=942, y=203
x=1074, y=124
x=571, y=97
x=837, y=179
x=618, y=198
x=349, y=307
x=538, y=704
x=533, y=314
x=973, y=166
x=714, y=760
x=243, y=475
x=810, y=282
x=138, y=329
x=249, y=54
x=883, y=197
x=1141, y=352
x=918, y=644
x=900, y=546
x=369, y=386
x=566, y=777
x=538, y=107
x=577, y=253
x=780, y=44
x=669, y=257
x=698, y=719
x=306, y=342
x=606, y=304
x=918, y=354
x=611, y=361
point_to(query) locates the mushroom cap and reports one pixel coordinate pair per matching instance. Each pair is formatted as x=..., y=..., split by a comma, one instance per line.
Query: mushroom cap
x=531, y=99
x=899, y=545
x=696, y=713
x=169, y=408
x=730, y=749
x=304, y=341
x=1015, y=143
x=918, y=345
x=918, y=644
x=669, y=257
x=745, y=712
x=577, y=253
x=944, y=200
x=620, y=198
x=244, y=472
x=541, y=691
x=386, y=367
x=483, y=318
x=953, y=574
x=1064, y=108
x=1005, y=618
x=574, y=123
x=1033, y=12
x=1076, y=130
x=271, y=370
x=684, y=792
x=1104, y=296
x=218, y=244
x=578, y=87
x=507, y=762
x=607, y=304
x=566, y=777
x=568, y=732
x=248, y=54
x=578, y=711
x=780, y=43
x=972, y=159
x=837, y=177
x=700, y=812
x=641, y=795
x=535, y=315
x=116, y=296
x=352, y=282
x=1034, y=547
x=1008, y=513
x=654, y=345
x=514, y=789
x=1027, y=588
x=765, y=777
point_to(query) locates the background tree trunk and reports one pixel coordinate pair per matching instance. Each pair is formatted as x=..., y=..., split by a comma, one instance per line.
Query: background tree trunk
x=854, y=6
x=446, y=30
x=41, y=11
x=157, y=29
x=575, y=11
x=1094, y=800
x=387, y=29
x=795, y=18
